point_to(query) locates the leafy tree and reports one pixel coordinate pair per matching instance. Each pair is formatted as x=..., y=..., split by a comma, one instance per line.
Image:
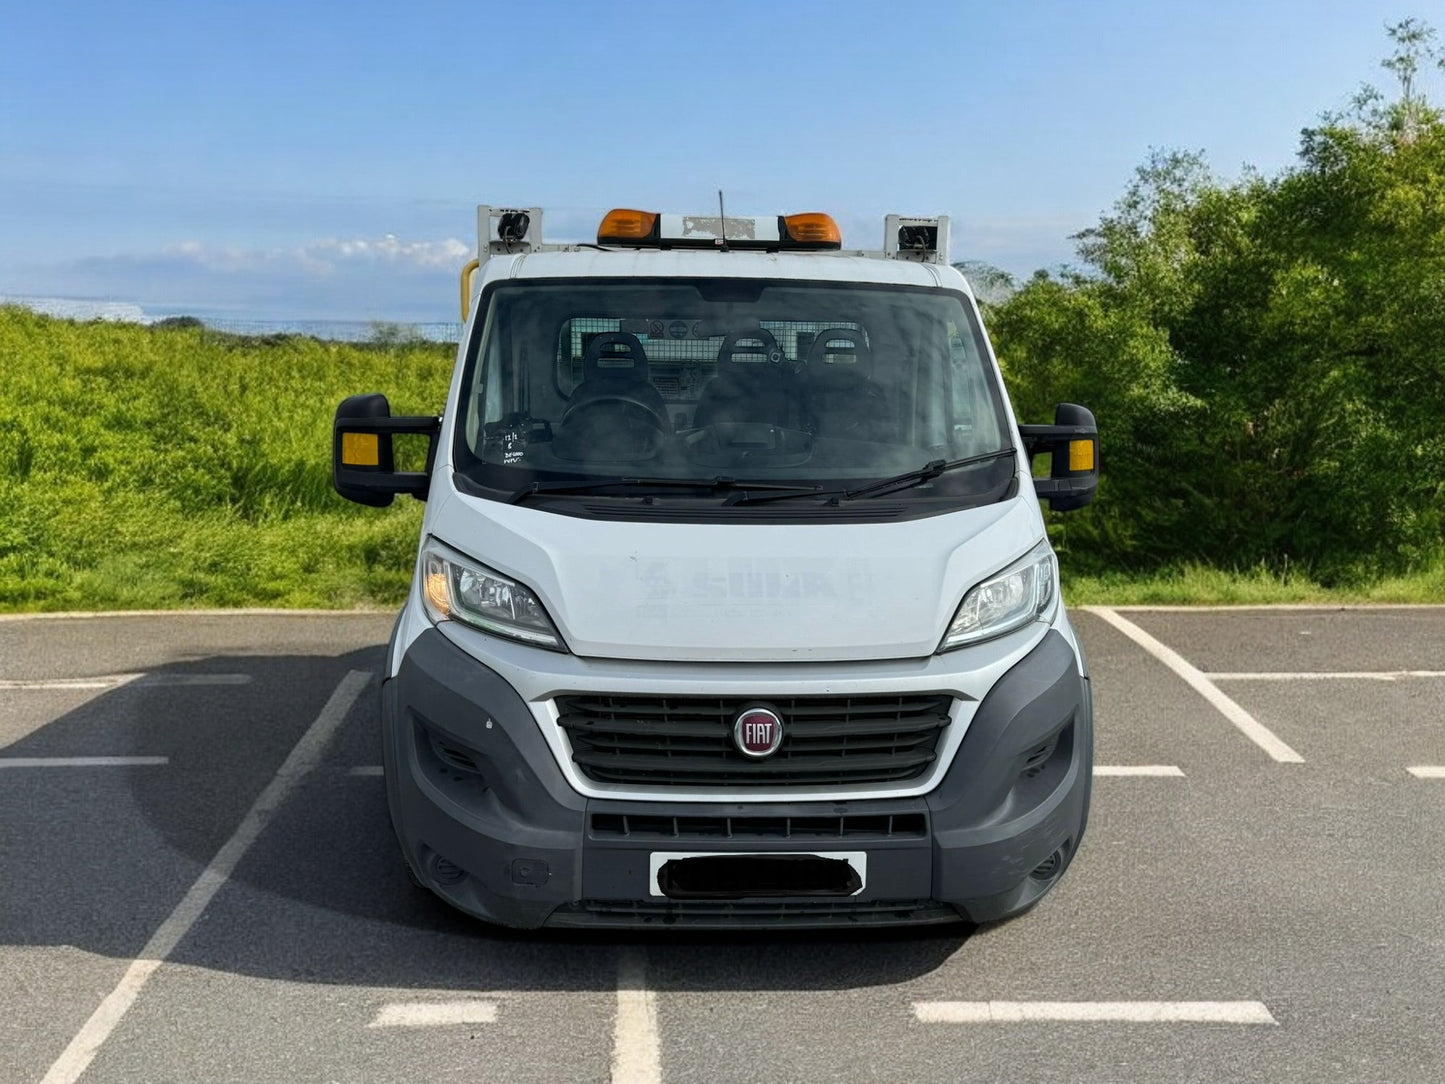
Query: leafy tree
x=1266, y=357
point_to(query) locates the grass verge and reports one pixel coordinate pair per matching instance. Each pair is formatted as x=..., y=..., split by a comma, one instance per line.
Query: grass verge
x=174, y=467
x=1198, y=585
x=150, y=468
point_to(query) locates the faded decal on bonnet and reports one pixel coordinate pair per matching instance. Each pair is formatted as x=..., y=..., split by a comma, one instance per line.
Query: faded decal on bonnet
x=741, y=585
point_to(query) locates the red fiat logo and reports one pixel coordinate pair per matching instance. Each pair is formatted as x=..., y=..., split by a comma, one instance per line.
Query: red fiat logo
x=758, y=732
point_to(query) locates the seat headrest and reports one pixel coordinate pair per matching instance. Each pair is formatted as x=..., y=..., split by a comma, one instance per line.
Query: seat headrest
x=840, y=340
x=756, y=345
x=626, y=360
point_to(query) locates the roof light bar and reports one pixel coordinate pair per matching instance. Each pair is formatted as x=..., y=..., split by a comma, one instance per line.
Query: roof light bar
x=649, y=229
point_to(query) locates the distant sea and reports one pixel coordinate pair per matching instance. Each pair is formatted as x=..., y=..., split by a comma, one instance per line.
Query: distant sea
x=69, y=308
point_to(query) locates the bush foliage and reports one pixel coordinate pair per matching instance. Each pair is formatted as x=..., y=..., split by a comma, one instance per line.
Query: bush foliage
x=1266, y=357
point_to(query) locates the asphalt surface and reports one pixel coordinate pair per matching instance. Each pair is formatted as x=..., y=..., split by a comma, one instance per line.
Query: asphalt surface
x=1314, y=889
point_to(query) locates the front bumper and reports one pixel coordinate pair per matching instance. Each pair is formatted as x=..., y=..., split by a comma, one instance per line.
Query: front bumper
x=487, y=820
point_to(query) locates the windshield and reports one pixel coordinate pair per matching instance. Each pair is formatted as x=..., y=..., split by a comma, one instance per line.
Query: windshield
x=823, y=386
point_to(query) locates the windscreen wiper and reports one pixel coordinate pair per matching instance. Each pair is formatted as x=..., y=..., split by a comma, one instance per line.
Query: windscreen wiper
x=926, y=473
x=712, y=484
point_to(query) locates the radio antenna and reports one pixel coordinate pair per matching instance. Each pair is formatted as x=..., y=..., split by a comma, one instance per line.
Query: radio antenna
x=722, y=218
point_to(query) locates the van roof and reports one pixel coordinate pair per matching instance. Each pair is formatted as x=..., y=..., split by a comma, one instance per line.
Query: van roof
x=673, y=263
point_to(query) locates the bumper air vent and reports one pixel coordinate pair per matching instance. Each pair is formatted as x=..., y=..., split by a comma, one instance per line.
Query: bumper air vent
x=852, y=826
x=452, y=754
x=728, y=915
x=1036, y=759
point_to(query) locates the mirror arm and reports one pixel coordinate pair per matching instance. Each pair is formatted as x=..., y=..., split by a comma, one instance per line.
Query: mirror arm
x=1065, y=489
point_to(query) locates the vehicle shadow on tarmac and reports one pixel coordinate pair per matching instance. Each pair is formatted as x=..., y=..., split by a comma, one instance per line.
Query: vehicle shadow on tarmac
x=97, y=858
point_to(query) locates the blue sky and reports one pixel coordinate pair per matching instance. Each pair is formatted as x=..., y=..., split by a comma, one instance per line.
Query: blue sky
x=323, y=160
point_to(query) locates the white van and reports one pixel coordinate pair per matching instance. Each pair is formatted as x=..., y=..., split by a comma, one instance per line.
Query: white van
x=734, y=605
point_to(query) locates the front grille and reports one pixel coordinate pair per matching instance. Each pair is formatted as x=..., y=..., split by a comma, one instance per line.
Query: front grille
x=872, y=826
x=696, y=914
x=687, y=741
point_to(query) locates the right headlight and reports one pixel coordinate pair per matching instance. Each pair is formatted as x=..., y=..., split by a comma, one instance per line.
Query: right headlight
x=1021, y=593
x=459, y=588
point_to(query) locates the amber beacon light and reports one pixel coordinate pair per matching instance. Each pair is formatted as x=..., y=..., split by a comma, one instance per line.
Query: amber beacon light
x=622, y=224
x=813, y=228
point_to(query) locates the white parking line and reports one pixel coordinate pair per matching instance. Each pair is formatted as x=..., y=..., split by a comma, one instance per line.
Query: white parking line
x=636, y=1049
x=115, y=681
x=1325, y=675
x=240, y=611
x=1275, y=607
x=100, y=681
x=1138, y=769
x=195, y=679
x=304, y=756
x=430, y=1014
x=1133, y=1012
x=1252, y=729
x=1427, y=771
x=81, y=762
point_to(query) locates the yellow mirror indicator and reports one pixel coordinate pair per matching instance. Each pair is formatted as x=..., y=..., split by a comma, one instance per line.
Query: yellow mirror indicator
x=1081, y=455
x=360, y=450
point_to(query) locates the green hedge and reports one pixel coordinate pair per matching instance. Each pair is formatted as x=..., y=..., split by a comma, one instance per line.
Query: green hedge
x=175, y=467
x=1266, y=360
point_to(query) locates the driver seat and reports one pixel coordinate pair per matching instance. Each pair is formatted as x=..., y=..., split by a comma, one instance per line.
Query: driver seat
x=616, y=412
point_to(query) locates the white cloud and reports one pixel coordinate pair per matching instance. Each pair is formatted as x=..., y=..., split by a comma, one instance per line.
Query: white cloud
x=448, y=253
x=383, y=278
x=322, y=257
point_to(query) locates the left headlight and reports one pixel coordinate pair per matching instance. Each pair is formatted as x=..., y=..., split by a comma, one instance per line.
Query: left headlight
x=1021, y=593
x=456, y=587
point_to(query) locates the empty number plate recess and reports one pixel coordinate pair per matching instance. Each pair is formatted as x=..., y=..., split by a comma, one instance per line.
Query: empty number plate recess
x=713, y=876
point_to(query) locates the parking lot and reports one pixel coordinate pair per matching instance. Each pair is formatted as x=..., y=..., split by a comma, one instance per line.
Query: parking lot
x=198, y=882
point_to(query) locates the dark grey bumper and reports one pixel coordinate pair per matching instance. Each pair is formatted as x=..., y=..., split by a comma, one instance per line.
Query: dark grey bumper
x=488, y=822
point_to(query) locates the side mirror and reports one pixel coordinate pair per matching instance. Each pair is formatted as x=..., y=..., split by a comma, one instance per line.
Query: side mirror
x=1073, y=441
x=363, y=466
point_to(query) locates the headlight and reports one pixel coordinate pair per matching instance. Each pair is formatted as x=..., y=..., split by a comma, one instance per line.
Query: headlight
x=456, y=587
x=1010, y=600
